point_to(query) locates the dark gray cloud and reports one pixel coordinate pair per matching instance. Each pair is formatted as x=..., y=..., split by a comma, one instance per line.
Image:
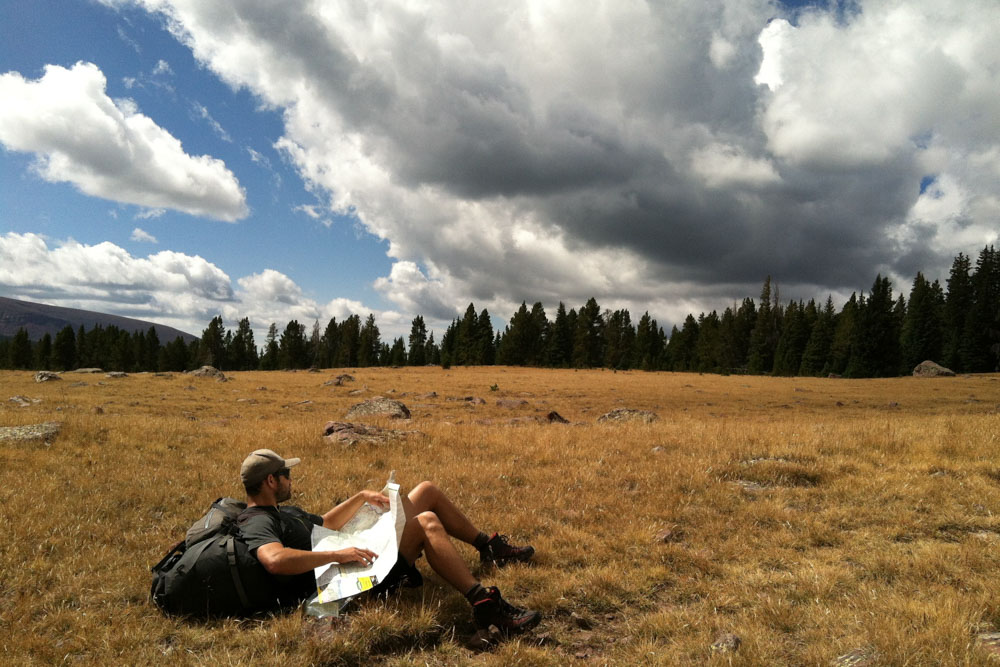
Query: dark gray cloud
x=669, y=154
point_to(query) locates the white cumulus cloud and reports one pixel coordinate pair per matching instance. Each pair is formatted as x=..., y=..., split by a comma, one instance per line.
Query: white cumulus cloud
x=142, y=236
x=108, y=148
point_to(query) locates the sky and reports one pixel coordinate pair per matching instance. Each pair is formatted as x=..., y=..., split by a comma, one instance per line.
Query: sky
x=174, y=160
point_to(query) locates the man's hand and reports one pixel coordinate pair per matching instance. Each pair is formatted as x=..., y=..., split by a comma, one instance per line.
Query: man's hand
x=375, y=498
x=354, y=555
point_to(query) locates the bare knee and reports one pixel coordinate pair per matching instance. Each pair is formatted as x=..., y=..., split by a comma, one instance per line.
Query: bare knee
x=423, y=496
x=429, y=523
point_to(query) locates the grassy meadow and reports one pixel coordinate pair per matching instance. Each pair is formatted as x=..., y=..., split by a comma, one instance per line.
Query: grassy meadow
x=812, y=518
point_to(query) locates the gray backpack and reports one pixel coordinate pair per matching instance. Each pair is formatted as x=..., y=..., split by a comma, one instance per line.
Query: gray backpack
x=211, y=572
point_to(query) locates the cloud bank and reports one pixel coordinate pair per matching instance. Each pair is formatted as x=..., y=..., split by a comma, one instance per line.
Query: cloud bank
x=107, y=148
x=172, y=288
x=660, y=155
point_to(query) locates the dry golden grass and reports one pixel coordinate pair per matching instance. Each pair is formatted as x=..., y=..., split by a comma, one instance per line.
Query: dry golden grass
x=810, y=517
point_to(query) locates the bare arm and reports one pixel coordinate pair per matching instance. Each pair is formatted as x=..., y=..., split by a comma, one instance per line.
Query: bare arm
x=279, y=559
x=338, y=516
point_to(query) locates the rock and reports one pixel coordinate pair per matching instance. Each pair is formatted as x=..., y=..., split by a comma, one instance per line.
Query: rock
x=522, y=421
x=833, y=376
x=511, y=402
x=207, y=372
x=347, y=433
x=484, y=640
x=24, y=401
x=116, y=374
x=671, y=534
x=167, y=376
x=859, y=657
x=475, y=400
x=79, y=384
x=44, y=431
x=313, y=369
x=88, y=370
x=46, y=376
x=726, y=642
x=428, y=395
x=379, y=407
x=627, y=415
x=929, y=369
x=990, y=641
x=556, y=418
x=344, y=378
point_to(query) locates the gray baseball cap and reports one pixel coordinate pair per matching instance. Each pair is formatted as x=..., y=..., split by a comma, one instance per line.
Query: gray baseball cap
x=262, y=463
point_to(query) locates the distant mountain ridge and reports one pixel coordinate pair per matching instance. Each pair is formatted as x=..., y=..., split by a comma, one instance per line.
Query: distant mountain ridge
x=39, y=319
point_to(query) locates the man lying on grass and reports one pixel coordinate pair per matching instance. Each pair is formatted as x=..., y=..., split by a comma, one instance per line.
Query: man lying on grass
x=281, y=542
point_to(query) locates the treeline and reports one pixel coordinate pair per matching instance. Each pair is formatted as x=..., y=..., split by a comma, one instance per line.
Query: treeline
x=873, y=335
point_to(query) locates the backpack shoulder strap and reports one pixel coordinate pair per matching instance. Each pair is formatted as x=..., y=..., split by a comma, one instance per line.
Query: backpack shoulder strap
x=235, y=572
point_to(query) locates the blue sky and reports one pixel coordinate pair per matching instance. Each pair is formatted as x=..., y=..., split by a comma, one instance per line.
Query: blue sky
x=330, y=255
x=177, y=159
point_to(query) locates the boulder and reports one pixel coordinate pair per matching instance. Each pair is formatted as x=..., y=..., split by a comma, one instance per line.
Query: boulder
x=44, y=431
x=628, y=415
x=46, y=376
x=379, y=407
x=208, y=372
x=929, y=369
x=116, y=374
x=512, y=403
x=24, y=401
x=556, y=418
x=88, y=370
x=726, y=642
x=347, y=433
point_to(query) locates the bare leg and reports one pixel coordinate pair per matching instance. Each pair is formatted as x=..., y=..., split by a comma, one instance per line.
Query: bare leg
x=427, y=497
x=425, y=532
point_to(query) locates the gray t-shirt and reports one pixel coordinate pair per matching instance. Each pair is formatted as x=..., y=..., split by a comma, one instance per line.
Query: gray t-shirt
x=292, y=527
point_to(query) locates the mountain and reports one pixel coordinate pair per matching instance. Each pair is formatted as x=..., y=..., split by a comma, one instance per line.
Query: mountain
x=39, y=319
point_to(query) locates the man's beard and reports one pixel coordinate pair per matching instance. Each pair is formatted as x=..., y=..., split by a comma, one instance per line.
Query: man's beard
x=283, y=494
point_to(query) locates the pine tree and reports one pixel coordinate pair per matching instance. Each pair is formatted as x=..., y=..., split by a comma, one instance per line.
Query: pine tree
x=213, y=346
x=329, y=344
x=793, y=340
x=643, y=353
x=957, y=304
x=875, y=345
x=43, y=353
x=560, y=345
x=293, y=351
x=20, y=350
x=418, y=342
x=683, y=345
x=817, y=350
x=269, y=360
x=486, y=352
x=432, y=353
x=350, y=342
x=397, y=354
x=466, y=351
x=64, y=349
x=764, y=336
x=706, y=349
x=369, y=343
x=923, y=326
x=619, y=339
x=588, y=344
x=980, y=345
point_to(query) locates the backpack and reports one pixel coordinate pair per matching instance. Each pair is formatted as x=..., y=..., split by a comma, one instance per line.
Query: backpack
x=211, y=572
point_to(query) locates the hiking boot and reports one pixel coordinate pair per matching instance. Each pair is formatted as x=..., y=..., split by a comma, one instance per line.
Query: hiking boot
x=499, y=552
x=492, y=609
